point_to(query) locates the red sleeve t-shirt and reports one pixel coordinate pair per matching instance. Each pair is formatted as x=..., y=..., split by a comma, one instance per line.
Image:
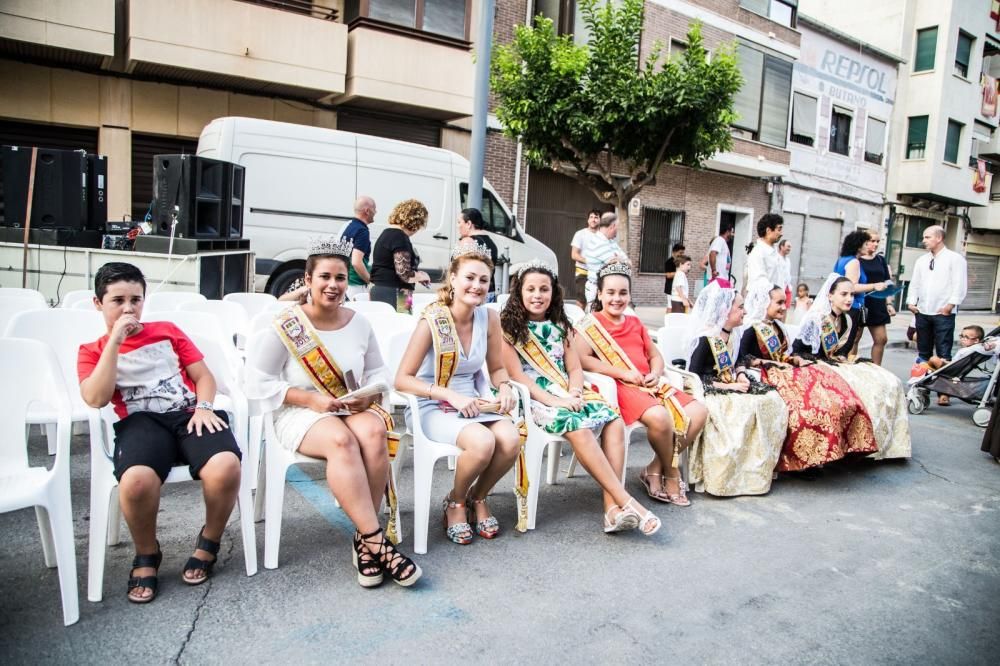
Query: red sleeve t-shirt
x=151, y=375
x=632, y=337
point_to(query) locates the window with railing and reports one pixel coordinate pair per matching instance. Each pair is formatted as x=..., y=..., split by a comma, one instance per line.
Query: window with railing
x=803, y=119
x=318, y=10
x=875, y=140
x=963, y=53
x=661, y=228
x=447, y=18
x=840, y=131
x=762, y=101
x=916, y=137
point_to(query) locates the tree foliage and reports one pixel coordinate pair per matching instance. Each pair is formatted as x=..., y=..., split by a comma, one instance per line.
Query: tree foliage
x=600, y=113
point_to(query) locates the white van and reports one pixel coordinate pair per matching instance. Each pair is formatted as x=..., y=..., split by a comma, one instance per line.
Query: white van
x=302, y=181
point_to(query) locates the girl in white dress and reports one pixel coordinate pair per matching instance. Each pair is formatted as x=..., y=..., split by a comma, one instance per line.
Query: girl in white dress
x=349, y=434
x=456, y=405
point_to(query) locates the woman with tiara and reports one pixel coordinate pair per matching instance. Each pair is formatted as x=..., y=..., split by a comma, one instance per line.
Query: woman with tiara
x=301, y=369
x=443, y=365
x=538, y=353
x=615, y=344
x=826, y=419
x=740, y=447
x=828, y=334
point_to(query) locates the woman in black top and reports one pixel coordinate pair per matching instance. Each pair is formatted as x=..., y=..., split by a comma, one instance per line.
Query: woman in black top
x=472, y=227
x=880, y=311
x=394, y=262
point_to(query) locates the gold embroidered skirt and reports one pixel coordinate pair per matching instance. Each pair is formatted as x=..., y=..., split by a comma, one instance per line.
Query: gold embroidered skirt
x=883, y=396
x=740, y=445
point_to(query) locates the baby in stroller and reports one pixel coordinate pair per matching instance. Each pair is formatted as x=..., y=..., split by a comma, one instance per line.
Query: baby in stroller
x=968, y=377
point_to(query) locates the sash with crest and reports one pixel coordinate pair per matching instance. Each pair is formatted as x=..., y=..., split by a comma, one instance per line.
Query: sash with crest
x=723, y=358
x=533, y=353
x=769, y=341
x=829, y=338
x=445, y=349
x=304, y=344
x=608, y=350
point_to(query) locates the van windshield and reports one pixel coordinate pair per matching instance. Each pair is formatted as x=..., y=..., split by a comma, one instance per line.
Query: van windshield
x=496, y=219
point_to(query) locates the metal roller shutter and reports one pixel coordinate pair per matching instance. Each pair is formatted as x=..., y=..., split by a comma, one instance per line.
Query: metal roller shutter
x=982, y=276
x=414, y=130
x=144, y=147
x=820, y=251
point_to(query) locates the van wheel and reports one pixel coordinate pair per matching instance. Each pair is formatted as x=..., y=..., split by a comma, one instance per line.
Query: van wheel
x=281, y=282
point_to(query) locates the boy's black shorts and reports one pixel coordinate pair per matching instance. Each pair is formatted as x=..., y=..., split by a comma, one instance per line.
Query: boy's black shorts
x=161, y=441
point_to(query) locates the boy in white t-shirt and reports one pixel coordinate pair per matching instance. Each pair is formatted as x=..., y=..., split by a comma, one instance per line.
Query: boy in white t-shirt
x=680, y=292
x=162, y=391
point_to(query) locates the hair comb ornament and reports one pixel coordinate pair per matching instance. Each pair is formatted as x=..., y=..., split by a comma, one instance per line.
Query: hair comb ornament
x=330, y=245
x=472, y=249
x=615, y=268
x=534, y=265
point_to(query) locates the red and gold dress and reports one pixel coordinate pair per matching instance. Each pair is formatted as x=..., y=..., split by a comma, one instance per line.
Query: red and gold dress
x=826, y=418
x=631, y=338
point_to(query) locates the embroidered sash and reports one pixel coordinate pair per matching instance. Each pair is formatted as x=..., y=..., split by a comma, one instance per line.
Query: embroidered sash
x=723, y=358
x=533, y=353
x=769, y=340
x=304, y=344
x=608, y=350
x=831, y=341
x=445, y=349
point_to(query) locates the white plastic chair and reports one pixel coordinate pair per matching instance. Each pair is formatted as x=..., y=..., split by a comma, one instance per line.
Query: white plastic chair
x=72, y=298
x=791, y=331
x=17, y=293
x=373, y=307
x=39, y=379
x=105, y=520
x=673, y=342
x=201, y=324
x=252, y=302
x=63, y=331
x=573, y=312
x=11, y=306
x=495, y=307
x=231, y=317
x=81, y=305
x=677, y=320
x=425, y=453
x=164, y=301
x=502, y=300
x=421, y=300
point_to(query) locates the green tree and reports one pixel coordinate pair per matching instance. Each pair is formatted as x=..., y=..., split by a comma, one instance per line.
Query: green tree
x=604, y=116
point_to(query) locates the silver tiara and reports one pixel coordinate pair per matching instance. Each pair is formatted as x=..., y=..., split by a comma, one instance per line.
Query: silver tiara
x=615, y=268
x=534, y=265
x=471, y=248
x=325, y=245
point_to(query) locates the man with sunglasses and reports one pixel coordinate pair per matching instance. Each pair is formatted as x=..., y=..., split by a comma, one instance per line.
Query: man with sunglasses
x=936, y=290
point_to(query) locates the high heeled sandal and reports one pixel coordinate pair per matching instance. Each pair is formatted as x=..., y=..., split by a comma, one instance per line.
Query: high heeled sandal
x=660, y=495
x=460, y=533
x=392, y=561
x=680, y=498
x=622, y=522
x=488, y=528
x=649, y=524
x=369, y=568
x=148, y=582
x=196, y=564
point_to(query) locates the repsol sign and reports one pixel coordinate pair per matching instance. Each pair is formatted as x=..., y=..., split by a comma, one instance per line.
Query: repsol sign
x=846, y=68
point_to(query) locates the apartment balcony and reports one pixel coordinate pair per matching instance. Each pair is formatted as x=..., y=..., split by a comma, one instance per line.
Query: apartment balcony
x=753, y=159
x=289, y=48
x=407, y=71
x=987, y=218
x=69, y=32
x=941, y=182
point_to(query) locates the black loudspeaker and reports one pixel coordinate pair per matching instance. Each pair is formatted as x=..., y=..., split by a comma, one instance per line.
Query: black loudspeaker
x=195, y=189
x=60, y=196
x=97, y=192
x=236, y=181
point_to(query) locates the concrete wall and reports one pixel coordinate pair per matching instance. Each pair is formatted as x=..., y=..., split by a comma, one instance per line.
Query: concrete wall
x=78, y=25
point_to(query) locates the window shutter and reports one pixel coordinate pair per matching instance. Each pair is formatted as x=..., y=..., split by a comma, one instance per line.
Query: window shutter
x=964, y=49
x=758, y=6
x=875, y=140
x=747, y=101
x=952, y=141
x=804, y=116
x=926, y=46
x=918, y=130
x=777, y=88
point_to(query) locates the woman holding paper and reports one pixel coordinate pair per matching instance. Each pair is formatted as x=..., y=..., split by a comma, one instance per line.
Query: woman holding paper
x=880, y=311
x=443, y=366
x=303, y=368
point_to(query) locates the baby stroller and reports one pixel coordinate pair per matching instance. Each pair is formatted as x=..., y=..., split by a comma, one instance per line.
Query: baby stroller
x=970, y=379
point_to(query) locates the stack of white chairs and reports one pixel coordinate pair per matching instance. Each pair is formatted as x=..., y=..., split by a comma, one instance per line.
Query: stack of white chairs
x=39, y=380
x=105, y=520
x=63, y=331
x=164, y=301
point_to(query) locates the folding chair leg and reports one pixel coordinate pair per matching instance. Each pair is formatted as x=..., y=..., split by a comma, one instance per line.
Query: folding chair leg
x=555, y=451
x=45, y=532
x=61, y=526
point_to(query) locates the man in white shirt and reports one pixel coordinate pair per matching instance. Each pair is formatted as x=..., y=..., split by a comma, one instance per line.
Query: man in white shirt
x=936, y=290
x=763, y=264
x=600, y=248
x=785, y=249
x=720, y=259
x=576, y=251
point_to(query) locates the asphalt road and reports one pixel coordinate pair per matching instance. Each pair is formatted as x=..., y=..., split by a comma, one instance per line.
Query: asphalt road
x=871, y=563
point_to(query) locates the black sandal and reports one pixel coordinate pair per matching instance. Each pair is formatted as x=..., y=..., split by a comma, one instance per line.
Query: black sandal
x=195, y=564
x=369, y=569
x=393, y=562
x=148, y=582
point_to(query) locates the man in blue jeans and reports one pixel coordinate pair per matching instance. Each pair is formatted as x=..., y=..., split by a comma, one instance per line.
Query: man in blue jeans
x=936, y=290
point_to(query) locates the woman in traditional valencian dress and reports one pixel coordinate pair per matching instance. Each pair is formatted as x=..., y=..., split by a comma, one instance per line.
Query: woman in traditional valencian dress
x=740, y=447
x=443, y=365
x=301, y=368
x=826, y=419
x=538, y=353
x=827, y=334
x=617, y=345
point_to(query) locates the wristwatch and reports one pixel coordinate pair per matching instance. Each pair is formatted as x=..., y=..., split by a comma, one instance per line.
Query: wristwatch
x=205, y=404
